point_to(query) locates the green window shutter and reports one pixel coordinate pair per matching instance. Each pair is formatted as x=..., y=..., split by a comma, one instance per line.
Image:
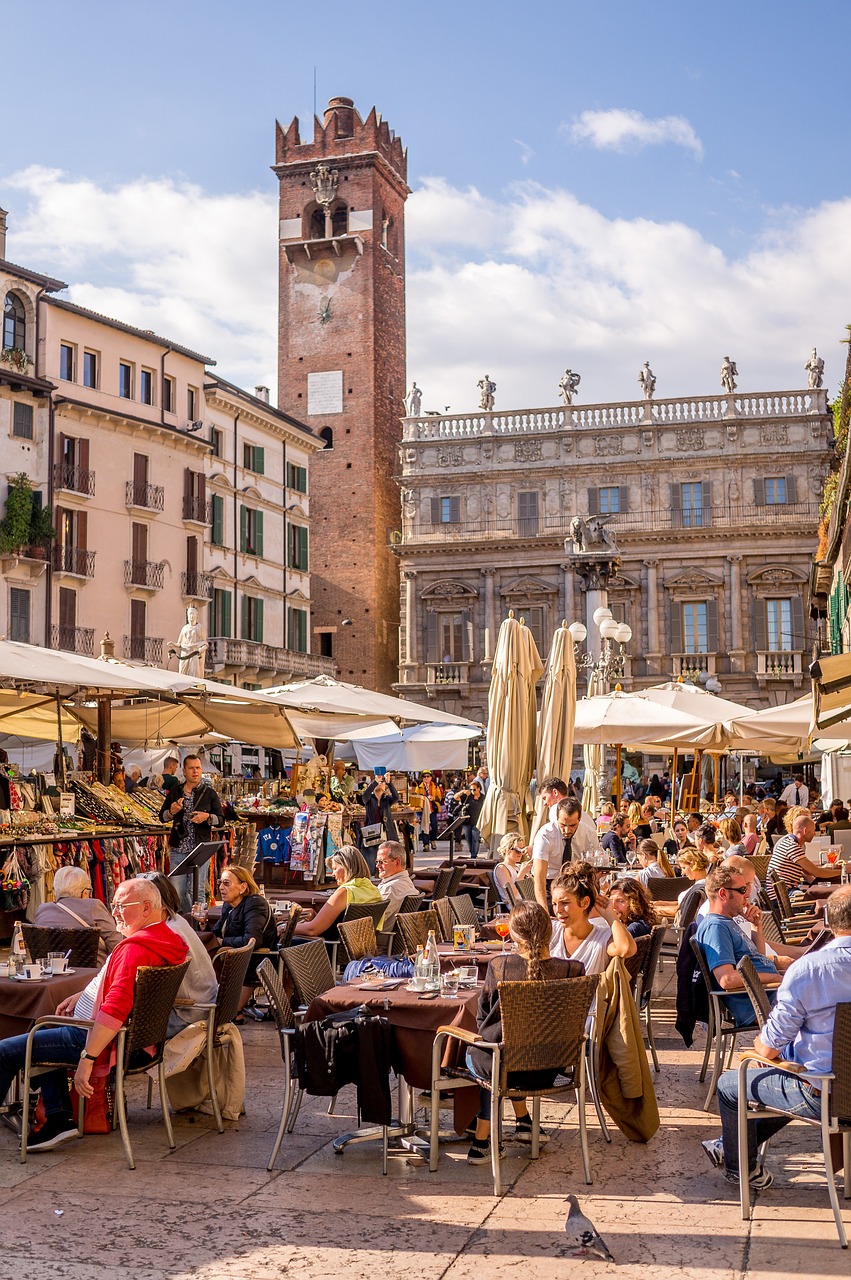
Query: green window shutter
x=218, y=532
x=245, y=619
x=258, y=621
x=243, y=529
x=290, y=644
x=226, y=620
x=258, y=533
x=259, y=460
x=302, y=548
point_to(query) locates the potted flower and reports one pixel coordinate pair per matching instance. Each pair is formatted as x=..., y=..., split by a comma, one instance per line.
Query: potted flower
x=17, y=358
x=42, y=532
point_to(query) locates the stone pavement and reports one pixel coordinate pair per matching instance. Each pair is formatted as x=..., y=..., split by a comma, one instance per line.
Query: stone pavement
x=210, y=1210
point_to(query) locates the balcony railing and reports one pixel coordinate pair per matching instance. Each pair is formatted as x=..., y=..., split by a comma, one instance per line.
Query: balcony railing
x=144, y=649
x=198, y=509
x=73, y=479
x=691, y=665
x=148, y=496
x=198, y=586
x=446, y=673
x=226, y=652
x=803, y=515
x=144, y=573
x=73, y=639
x=778, y=664
x=75, y=561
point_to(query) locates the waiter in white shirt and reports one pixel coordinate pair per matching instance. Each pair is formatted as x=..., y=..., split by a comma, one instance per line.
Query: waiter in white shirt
x=797, y=792
x=571, y=837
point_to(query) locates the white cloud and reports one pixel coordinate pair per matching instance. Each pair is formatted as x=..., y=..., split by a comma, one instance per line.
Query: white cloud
x=620, y=129
x=518, y=287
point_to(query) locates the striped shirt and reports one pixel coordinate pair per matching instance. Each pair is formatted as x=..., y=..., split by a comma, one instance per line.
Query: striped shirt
x=784, y=863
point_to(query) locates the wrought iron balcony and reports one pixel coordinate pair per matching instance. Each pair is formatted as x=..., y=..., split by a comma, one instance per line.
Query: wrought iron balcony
x=196, y=586
x=144, y=573
x=73, y=479
x=74, y=560
x=198, y=510
x=144, y=649
x=149, y=497
x=73, y=639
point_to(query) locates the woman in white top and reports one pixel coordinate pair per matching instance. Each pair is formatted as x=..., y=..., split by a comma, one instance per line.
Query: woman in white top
x=516, y=863
x=574, y=936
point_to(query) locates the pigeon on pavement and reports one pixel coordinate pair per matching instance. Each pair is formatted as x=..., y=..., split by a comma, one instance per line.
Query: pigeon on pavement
x=583, y=1236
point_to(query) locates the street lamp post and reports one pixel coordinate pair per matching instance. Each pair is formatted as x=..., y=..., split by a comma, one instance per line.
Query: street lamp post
x=603, y=661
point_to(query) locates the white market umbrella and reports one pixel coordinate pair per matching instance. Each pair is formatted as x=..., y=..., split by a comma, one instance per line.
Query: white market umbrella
x=328, y=697
x=627, y=719
x=512, y=729
x=418, y=747
x=713, y=712
x=554, y=748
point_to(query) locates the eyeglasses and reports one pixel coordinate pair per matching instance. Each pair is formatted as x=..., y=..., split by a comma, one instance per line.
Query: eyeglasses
x=738, y=888
x=118, y=908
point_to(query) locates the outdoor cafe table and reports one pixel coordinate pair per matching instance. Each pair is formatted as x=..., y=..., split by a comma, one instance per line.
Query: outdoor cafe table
x=481, y=956
x=820, y=891
x=23, y=1003
x=414, y=1023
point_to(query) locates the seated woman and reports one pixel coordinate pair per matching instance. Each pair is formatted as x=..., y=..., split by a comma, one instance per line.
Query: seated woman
x=530, y=929
x=245, y=914
x=679, y=842
x=706, y=840
x=75, y=908
x=694, y=864
x=349, y=869
x=574, y=936
x=515, y=863
x=730, y=837
x=200, y=985
x=650, y=860
x=634, y=907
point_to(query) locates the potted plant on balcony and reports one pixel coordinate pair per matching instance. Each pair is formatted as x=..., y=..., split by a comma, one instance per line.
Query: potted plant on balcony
x=16, y=357
x=15, y=525
x=42, y=532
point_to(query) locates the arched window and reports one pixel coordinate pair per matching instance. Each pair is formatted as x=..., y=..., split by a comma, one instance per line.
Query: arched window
x=14, y=323
x=327, y=435
x=317, y=224
x=339, y=220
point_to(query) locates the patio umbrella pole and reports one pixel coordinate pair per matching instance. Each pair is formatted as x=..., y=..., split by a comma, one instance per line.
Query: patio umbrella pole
x=104, y=743
x=716, y=778
x=60, y=743
x=674, y=786
x=618, y=770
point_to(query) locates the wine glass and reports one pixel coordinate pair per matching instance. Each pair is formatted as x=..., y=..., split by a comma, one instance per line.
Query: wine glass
x=502, y=928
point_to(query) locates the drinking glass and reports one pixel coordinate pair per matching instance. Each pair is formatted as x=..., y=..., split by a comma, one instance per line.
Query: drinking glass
x=502, y=928
x=833, y=854
x=469, y=975
x=449, y=983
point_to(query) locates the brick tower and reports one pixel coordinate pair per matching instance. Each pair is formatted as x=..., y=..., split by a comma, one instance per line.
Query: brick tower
x=341, y=369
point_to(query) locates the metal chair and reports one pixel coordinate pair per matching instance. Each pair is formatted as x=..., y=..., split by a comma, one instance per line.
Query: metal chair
x=543, y=1029
x=835, y=1115
x=443, y=908
x=155, y=994
x=284, y=1017
x=644, y=985
x=755, y=989
x=463, y=910
x=721, y=1027
x=231, y=971
x=357, y=939
x=81, y=943
x=414, y=928
x=310, y=970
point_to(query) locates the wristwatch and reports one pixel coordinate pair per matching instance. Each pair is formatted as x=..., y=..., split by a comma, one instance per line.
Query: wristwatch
x=90, y=1057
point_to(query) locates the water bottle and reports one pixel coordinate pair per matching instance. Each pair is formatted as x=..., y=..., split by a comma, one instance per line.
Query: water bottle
x=19, y=947
x=433, y=960
x=420, y=973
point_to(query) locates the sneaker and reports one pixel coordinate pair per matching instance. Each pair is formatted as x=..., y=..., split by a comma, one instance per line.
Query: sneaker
x=55, y=1130
x=480, y=1152
x=523, y=1131
x=760, y=1179
x=714, y=1149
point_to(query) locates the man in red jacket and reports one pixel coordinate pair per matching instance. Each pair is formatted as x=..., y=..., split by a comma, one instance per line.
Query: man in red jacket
x=106, y=1001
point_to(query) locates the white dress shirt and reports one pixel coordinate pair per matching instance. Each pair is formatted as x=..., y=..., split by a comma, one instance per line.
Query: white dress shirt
x=793, y=795
x=548, y=845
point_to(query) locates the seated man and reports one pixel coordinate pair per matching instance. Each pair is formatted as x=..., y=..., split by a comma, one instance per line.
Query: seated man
x=723, y=944
x=107, y=1001
x=749, y=917
x=800, y=1029
x=789, y=861
x=394, y=883
x=618, y=838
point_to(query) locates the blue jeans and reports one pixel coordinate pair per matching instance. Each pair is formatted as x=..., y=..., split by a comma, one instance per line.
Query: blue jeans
x=53, y=1044
x=473, y=835
x=774, y=1089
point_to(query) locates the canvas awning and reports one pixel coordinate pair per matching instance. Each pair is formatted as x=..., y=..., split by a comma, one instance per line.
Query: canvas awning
x=326, y=695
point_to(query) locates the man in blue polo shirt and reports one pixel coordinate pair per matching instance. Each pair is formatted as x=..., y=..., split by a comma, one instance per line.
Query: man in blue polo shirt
x=723, y=943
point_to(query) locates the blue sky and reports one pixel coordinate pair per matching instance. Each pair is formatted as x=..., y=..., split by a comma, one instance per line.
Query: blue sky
x=598, y=184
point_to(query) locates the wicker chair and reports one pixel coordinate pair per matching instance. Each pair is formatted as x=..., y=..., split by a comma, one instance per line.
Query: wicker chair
x=155, y=994
x=667, y=888
x=82, y=944
x=285, y=936
x=835, y=1112
x=310, y=970
x=414, y=928
x=372, y=911
x=543, y=1028
x=442, y=881
x=794, y=916
x=722, y=1027
x=443, y=909
x=455, y=880
x=463, y=910
x=644, y=985
x=525, y=888
x=285, y=1022
x=755, y=989
x=759, y=862
x=357, y=939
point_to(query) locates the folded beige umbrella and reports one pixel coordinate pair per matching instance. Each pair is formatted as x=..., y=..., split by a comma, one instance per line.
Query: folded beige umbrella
x=555, y=722
x=512, y=724
x=594, y=758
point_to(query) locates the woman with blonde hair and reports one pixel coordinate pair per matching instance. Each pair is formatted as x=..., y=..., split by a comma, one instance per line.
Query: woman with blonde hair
x=350, y=870
x=515, y=863
x=731, y=836
x=635, y=815
x=75, y=908
x=694, y=864
x=793, y=812
x=530, y=928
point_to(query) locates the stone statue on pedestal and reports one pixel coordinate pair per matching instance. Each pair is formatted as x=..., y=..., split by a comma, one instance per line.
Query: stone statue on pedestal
x=569, y=385
x=487, y=389
x=591, y=534
x=815, y=371
x=191, y=646
x=729, y=374
x=647, y=380
x=413, y=401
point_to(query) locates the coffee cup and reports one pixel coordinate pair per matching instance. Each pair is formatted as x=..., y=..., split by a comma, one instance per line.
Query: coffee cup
x=58, y=962
x=33, y=969
x=419, y=983
x=4, y=970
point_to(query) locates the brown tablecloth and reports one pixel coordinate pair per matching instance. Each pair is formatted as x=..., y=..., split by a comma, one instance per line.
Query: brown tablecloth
x=315, y=898
x=414, y=1023
x=480, y=956
x=22, y=1003
x=818, y=892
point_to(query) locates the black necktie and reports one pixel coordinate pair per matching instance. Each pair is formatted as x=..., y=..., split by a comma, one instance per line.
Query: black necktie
x=566, y=851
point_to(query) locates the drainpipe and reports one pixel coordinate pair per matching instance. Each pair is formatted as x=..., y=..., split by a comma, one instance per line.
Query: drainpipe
x=286, y=547
x=235, y=525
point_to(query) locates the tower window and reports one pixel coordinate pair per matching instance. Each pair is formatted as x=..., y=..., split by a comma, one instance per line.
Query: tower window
x=340, y=220
x=317, y=224
x=327, y=435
